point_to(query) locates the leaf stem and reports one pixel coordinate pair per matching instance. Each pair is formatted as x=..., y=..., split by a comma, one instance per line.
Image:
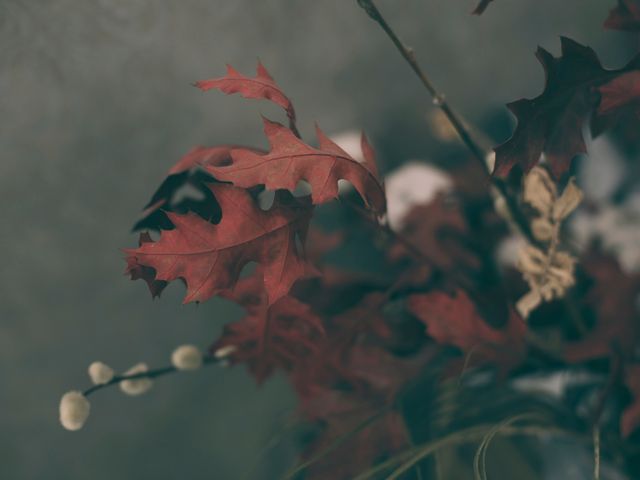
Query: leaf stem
x=158, y=372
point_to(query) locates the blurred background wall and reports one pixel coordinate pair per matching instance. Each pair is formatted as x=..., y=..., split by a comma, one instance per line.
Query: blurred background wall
x=96, y=104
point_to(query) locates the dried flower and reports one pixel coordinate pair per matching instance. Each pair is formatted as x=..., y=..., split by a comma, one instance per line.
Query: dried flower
x=539, y=191
x=549, y=273
x=187, y=357
x=74, y=410
x=413, y=184
x=568, y=201
x=542, y=229
x=100, y=373
x=136, y=386
x=225, y=351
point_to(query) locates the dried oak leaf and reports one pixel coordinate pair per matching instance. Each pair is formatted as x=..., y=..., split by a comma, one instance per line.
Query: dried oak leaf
x=209, y=258
x=552, y=122
x=612, y=298
x=358, y=431
x=269, y=336
x=454, y=320
x=438, y=230
x=187, y=173
x=261, y=87
x=290, y=160
x=619, y=102
x=361, y=400
x=148, y=274
x=624, y=16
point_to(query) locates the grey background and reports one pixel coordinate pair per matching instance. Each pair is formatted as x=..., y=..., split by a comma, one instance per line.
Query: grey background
x=96, y=104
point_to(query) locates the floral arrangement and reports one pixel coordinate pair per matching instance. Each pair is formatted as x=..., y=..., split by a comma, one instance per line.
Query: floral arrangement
x=501, y=307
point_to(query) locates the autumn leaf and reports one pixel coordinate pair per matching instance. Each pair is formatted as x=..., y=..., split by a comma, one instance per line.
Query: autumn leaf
x=438, y=230
x=358, y=431
x=454, y=320
x=148, y=274
x=269, y=336
x=186, y=173
x=209, y=258
x=552, y=123
x=290, y=160
x=621, y=92
x=625, y=16
x=612, y=299
x=261, y=87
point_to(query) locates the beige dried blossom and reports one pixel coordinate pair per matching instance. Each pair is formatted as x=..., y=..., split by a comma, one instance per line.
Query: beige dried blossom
x=539, y=191
x=568, y=201
x=187, y=357
x=136, y=386
x=74, y=410
x=549, y=272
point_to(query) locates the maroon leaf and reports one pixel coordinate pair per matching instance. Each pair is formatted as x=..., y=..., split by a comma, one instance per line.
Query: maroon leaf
x=623, y=91
x=359, y=434
x=261, y=87
x=270, y=336
x=291, y=160
x=625, y=16
x=209, y=258
x=148, y=274
x=612, y=299
x=454, y=320
x=438, y=230
x=552, y=123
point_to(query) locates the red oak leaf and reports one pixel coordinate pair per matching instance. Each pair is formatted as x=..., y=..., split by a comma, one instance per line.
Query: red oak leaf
x=360, y=400
x=630, y=419
x=552, y=123
x=438, y=229
x=148, y=274
x=625, y=16
x=482, y=6
x=621, y=93
x=261, y=87
x=617, y=323
x=291, y=160
x=209, y=258
x=454, y=320
x=270, y=336
x=359, y=432
x=186, y=174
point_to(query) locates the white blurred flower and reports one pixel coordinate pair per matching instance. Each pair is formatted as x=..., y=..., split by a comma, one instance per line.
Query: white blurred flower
x=602, y=170
x=223, y=354
x=617, y=227
x=413, y=184
x=74, y=410
x=349, y=141
x=187, y=357
x=508, y=250
x=136, y=386
x=225, y=351
x=100, y=373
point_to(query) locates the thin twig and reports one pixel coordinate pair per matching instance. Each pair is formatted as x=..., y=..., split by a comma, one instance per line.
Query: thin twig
x=456, y=121
x=158, y=372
